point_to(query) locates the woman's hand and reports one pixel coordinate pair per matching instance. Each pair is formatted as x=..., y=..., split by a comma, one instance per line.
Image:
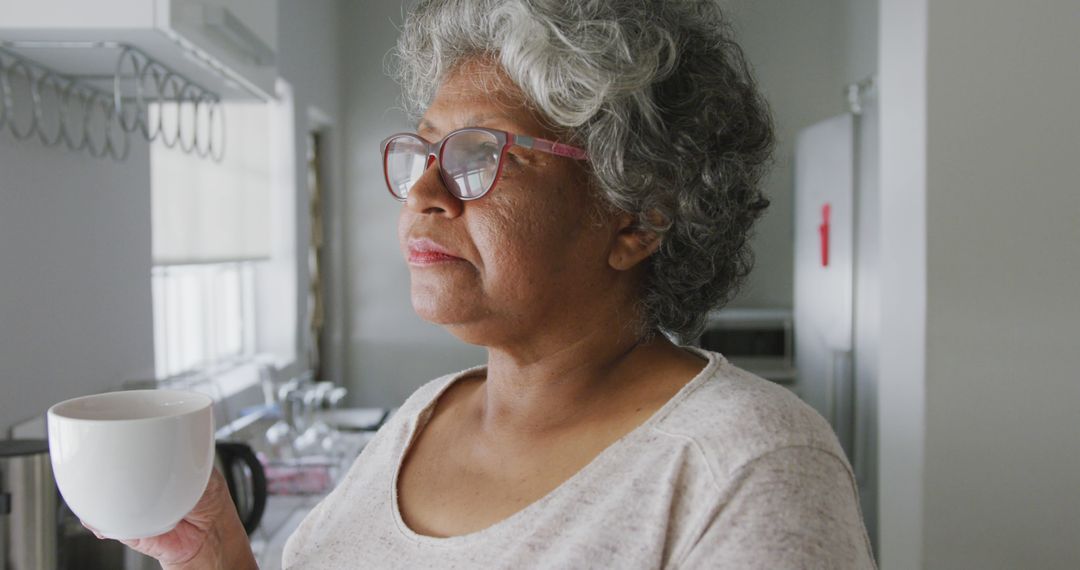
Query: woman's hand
x=210, y=536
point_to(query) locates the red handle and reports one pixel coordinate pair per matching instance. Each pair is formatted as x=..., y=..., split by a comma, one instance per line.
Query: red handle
x=823, y=231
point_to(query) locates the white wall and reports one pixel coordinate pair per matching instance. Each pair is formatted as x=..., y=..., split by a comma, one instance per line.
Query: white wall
x=390, y=350
x=1002, y=475
x=901, y=382
x=800, y=55
x=861, y=37
x=308, y=59
x=981, y=220
x=803, y=54
x=75, y=310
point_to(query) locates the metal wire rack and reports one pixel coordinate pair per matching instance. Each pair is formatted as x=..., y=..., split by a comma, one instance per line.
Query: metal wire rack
x=98, y=112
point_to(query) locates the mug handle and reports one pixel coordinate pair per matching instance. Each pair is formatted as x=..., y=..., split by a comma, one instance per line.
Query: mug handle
x=233, y=451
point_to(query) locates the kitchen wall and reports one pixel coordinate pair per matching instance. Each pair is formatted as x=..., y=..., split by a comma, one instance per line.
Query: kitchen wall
x=901, y=382
x=1003, y=263
x=981, y=221
x=75, y=312
x=804, y=56
x=391, y=351
x=308, y=59
x=800, y=55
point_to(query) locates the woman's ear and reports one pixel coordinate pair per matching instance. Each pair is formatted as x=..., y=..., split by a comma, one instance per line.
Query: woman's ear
x=632, y=244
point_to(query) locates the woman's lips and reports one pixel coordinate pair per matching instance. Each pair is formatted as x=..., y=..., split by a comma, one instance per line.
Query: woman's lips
x=430, y=257
x=426, y=252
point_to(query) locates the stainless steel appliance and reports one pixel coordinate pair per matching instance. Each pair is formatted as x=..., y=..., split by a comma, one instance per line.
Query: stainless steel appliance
x=28, y=506
x=37, y=530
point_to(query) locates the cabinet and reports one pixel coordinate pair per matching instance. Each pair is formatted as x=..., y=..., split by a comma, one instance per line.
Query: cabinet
x=227, y=47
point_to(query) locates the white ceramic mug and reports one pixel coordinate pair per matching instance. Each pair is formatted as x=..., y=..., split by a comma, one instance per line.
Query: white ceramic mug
x=132, y=464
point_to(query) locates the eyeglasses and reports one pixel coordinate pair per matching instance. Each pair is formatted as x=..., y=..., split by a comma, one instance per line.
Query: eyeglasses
x=470, y=159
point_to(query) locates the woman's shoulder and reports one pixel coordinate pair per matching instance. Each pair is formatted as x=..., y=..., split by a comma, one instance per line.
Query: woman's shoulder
x=734, y=417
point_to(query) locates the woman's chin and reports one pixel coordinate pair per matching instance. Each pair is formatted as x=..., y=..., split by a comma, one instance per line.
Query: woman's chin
x=438, y=310
x=458, y=318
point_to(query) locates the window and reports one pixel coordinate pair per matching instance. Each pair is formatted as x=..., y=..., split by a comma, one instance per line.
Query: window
x=222, y=281
x=204, y=317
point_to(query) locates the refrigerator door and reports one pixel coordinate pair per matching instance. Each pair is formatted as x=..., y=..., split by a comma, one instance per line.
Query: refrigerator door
x=837, y=304
x=824, y=223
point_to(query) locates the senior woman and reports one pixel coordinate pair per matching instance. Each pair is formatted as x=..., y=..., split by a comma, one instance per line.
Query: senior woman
x=578, y=191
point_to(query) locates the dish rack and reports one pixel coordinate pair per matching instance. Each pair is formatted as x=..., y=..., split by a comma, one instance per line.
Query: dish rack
x=59, y=100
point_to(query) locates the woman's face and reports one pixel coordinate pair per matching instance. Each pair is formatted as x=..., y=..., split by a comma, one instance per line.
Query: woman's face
x=527, y=255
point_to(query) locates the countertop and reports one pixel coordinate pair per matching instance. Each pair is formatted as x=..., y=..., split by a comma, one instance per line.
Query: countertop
x=284, y=513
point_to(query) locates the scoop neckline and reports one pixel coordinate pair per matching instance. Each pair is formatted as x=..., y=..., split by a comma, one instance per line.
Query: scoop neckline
x=714, y=360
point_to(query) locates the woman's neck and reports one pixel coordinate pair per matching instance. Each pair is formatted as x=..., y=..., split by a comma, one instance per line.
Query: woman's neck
x=548, y=392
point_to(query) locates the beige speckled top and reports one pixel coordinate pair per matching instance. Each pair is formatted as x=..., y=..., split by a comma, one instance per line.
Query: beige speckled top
x=732, y=472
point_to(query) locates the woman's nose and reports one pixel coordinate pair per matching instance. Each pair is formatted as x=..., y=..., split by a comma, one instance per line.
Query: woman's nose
x=430, y=196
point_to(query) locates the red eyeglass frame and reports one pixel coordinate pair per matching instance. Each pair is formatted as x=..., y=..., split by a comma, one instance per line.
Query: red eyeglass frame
x=505, y=139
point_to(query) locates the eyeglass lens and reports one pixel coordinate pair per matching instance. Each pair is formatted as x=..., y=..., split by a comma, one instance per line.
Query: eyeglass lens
x=470, y=161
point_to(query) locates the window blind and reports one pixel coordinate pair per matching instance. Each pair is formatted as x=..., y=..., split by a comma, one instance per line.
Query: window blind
x=211, y=212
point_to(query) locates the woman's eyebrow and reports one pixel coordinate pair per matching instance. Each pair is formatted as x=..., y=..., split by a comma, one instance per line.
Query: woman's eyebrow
x=472, y=121
x=424, y=125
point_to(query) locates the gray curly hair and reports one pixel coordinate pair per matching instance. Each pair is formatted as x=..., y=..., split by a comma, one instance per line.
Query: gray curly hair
x=660, y=97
